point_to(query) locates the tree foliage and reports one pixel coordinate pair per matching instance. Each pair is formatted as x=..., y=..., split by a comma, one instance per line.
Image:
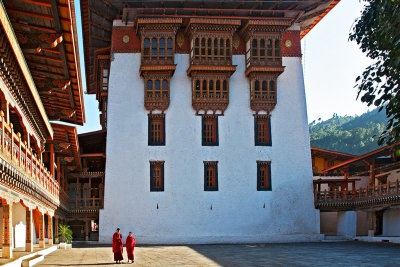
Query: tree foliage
x=377, y=32
x=354, y=135
x=65, y=233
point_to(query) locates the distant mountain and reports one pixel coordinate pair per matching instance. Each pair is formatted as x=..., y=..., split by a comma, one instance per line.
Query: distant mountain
x=355, y=135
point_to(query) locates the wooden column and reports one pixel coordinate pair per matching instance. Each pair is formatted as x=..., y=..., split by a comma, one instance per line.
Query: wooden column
x=29, y=242
x=372, y=173
x=52, y=160
x=7, y=115
x=371, y=223
x=86, y=230
x=50, y=235
x=58, y=171
x=77, y=192
x=7, y=232
x=41, y=231
x=345, y=185
x=91, y=202
x=56, y=229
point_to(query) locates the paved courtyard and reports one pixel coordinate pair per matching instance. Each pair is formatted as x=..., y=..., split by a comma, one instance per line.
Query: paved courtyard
x=297, y=254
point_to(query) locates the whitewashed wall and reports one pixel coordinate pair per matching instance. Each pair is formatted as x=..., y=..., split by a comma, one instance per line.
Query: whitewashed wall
x=391, y=222
x=184, y=214
x=19, y=225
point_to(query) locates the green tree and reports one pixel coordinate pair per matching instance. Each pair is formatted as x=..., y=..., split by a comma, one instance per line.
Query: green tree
x=377, y=32
x=65, y=233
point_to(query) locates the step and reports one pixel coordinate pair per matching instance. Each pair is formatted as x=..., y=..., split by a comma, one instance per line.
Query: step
x=32, y=261
x=335, y=238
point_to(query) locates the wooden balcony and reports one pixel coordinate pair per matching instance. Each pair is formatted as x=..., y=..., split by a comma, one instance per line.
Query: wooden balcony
x=380, y=196
x=214, y=60
x=86, y=203
x=157, y=60
x=21, y=170
x=266, y=62
x=263, y=66
x=263, y=102
x=210, y=102
x=156, y=101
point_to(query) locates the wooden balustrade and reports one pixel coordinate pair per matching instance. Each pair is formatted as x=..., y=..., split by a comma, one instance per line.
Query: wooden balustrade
x=21, y=157
x=86, y=203
x=370, y=195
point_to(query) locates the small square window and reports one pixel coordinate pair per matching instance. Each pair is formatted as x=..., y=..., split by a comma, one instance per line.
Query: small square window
x=264, y=176
x=156, y=176
x=156, y=130
x=209, y=130
x=210, y=175
x=262, y=130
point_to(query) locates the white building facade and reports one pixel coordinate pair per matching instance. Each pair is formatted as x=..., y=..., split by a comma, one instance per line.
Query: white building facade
x=164, y=192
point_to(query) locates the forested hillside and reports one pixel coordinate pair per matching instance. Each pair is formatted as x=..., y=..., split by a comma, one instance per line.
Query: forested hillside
x=355, y=135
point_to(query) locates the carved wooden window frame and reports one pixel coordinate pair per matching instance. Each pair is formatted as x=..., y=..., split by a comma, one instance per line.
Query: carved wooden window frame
x=210, y=88
x=263, y=49
x=264, y=176
x=209, y=130
x=156, y=176
x=158, y=48
x=262, y=130
x=156, y=129
x=210, y=175
x=208, y=49
x=157, y=93
x=264, y=89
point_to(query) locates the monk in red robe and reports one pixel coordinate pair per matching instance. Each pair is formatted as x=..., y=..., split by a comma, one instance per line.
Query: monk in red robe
x=130, y=246
x=118, y=245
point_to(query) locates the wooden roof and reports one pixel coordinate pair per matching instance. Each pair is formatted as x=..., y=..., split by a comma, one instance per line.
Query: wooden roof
x=66, y=146
x=383, y=151
x=17, y=77
x=98, y=16
x=331, y=154
x=46, y=32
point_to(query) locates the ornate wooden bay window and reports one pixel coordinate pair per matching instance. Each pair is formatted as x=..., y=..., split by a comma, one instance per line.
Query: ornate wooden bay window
x=157, y=62
x=210, y=93
x=264, y=60
x=156, y=92
x=263, y=93
x=211, y=62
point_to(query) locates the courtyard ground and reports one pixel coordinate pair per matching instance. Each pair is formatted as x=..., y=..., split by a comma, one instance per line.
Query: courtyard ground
x=294, y=254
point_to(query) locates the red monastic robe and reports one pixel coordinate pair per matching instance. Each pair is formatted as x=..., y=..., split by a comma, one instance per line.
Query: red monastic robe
x=130, y=246
x=118, y=246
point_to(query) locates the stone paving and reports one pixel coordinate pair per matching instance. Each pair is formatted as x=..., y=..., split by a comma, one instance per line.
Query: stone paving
x=294, y=254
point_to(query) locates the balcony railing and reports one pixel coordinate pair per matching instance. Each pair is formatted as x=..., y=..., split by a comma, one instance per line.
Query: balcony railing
x=156, y=100
x=384, y=194
x=18, y=154
x=263, y=61
x=86, y=203
x=264, y=102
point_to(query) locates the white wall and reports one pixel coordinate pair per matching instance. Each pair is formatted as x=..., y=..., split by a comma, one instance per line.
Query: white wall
x=184, y=214
x=19, y=224
x=391, y=222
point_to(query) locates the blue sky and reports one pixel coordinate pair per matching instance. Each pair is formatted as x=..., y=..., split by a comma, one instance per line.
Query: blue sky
x=330, y=62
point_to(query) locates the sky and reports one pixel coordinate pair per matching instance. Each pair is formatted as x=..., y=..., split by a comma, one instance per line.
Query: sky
x=331, y=64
